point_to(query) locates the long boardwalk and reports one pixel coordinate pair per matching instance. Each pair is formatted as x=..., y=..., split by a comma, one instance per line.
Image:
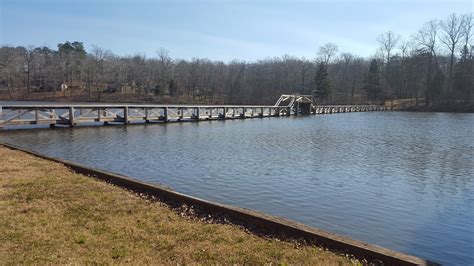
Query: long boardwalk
x=77, y=114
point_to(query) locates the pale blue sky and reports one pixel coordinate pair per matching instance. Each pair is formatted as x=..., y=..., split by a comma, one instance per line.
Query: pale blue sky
x=218, y=30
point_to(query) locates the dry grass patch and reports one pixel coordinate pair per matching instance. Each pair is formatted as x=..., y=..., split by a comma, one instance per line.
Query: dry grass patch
x=49, y=214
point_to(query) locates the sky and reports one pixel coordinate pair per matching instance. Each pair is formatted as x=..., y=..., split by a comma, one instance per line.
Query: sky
x=217, y=30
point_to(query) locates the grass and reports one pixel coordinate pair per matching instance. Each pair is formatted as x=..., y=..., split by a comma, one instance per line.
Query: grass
x=51, y=215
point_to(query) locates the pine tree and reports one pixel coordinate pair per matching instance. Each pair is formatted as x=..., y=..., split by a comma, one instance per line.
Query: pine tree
x=463, y=75
x=437, y=85
x=372, y=86
x=323, y=84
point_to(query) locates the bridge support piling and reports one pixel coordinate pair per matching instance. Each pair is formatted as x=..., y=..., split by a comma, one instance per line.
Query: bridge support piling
x=197, y=114
x=52, y=116
x=180, y=113
x=125, y=115
x=36, y=116
x=71, y=116
x=224, y=112
x=165, y=114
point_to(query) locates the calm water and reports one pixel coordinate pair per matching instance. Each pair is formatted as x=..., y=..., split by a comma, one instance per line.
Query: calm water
x=400, y=180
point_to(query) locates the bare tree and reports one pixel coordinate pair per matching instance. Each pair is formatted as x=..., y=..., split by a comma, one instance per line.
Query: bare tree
x=415, y=69
x=426, y=40
x=426, y=37
x=165, y=62
x=388, y=42
x=327, y=51
x=28, y=66
x=405, y=49
x=467, y=25
x=451, y=34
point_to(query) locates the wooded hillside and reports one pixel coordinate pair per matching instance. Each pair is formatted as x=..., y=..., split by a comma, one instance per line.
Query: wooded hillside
x=435, y=63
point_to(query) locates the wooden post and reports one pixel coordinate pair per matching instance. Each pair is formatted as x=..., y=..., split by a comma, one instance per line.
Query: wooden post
x=125, y=115
x=210, y=112
x=146, y=115
x=166, y=114
x=37, y=116
x=99, y=113
x=261, y=114
x=197, y=114
x=233, y=111
x=71, y=116
x=52, y=115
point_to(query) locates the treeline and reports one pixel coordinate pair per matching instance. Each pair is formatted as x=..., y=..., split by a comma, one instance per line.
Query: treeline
x=434, y=65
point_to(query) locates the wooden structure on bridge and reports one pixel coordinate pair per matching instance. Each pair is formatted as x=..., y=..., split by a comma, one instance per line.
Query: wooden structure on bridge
x=76, y=114
x=298, y=104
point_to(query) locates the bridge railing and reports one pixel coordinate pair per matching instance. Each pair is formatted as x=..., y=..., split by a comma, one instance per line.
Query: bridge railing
x=71, y=115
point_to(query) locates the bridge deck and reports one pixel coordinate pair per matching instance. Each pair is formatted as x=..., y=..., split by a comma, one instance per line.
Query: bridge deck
x=76, y=114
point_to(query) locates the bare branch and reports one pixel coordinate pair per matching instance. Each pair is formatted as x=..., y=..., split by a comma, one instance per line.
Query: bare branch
x=327, y=51
x=451, y=31
x=388, y=42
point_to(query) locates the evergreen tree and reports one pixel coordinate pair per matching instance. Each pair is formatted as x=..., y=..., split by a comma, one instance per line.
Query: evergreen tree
x=437, y=85
x=463, y=75
x=323, y=84
x=173, y=88
x=72, y=56
x=372, y=86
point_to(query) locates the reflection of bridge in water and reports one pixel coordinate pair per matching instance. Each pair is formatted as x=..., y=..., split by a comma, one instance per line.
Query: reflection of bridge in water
x=76, y=114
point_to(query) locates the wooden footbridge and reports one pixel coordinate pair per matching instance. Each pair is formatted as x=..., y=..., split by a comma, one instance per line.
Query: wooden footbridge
x=77, y=114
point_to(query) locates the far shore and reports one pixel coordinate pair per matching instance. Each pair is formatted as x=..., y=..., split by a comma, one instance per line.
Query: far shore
x=144, y=99
x=445, y=108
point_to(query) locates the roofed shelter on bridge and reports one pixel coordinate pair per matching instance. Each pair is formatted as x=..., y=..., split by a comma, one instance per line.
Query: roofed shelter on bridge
x=299, y=104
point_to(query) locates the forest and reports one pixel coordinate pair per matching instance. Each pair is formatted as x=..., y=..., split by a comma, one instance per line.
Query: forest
x=432, y=66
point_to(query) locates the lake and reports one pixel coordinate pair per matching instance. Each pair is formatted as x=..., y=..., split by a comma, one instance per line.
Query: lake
x=400, y=180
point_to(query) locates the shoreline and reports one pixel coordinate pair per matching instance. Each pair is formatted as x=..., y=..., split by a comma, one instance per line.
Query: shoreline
x=255, y=222
x=49, y=214
x=442, y=108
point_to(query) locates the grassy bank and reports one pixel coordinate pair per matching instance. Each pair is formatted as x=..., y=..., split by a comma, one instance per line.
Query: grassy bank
x=49, y=214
